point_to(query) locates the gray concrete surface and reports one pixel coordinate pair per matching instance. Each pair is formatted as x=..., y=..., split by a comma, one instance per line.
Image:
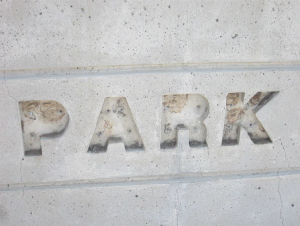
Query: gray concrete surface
x=43, y=34
x=77, y=53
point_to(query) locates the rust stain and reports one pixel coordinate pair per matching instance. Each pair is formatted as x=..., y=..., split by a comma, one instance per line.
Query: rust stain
x=107, y=128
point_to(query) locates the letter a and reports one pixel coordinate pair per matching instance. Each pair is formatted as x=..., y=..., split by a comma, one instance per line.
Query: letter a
x=115, y=122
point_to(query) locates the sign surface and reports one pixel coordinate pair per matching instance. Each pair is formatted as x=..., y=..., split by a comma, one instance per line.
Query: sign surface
x=149, y=124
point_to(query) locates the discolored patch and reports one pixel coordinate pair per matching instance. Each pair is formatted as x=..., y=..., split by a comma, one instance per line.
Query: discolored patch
x=183, y=111
x=46, y=111
x=235, y=114
x=238, y=114
x=175, y=103
x=232, y=99
x=256, y=99
x=40, y=118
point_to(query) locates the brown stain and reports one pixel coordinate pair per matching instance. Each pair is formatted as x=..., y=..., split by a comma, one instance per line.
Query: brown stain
x=51, y=111
x=175, y=103
x=46, y=111
x=108, y=127
x=232, y=99
x=256, y=99
x=235, y=114
x=29, y=109
x=28, y=106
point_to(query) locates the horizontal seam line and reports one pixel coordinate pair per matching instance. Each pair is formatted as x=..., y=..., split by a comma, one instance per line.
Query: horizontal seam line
x=147, y=69
x=152, y=180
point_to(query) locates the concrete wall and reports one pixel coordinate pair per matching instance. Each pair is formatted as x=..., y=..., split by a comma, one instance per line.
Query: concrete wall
x=173, y=63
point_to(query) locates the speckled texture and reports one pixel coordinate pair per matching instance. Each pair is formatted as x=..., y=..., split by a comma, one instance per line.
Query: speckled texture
x=143, y=51
x=68, y=33
x=65, y=159
x=83, y=98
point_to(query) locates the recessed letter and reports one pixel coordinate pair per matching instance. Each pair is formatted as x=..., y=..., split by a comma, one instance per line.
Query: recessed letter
x=238, y=114
x=40, y=118
x=184, y=111
x=115, y=122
